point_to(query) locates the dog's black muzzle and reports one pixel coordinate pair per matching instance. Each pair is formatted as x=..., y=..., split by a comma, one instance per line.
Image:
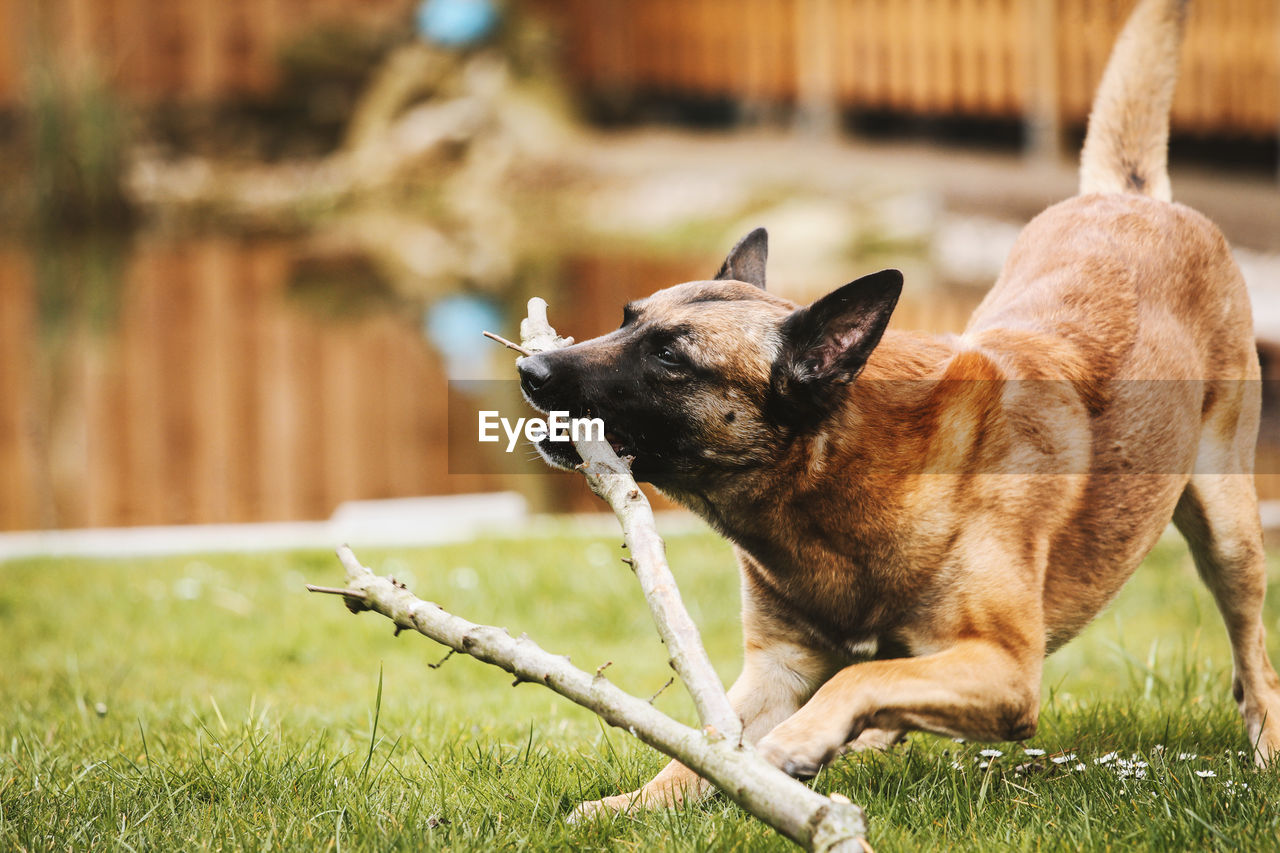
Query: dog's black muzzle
x=549, y=381
x=586, y=381
x=535, y=373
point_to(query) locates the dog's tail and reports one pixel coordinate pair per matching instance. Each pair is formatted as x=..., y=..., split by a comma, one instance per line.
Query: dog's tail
x=1126, y=148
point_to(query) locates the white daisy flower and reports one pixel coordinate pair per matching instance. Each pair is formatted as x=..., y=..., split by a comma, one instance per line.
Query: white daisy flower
x=1187, y=756
x=1107, y=759
x=991, y=753
x=1063, y=759
x=1033, y=752
x=1080, y=768
x=1206, y=774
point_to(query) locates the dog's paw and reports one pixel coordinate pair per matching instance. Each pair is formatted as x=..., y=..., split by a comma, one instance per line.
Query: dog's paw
x=604, y=808
x=795, y=759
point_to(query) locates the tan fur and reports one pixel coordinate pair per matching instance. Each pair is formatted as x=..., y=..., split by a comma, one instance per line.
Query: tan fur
x=1125, y=148
x=972, y=502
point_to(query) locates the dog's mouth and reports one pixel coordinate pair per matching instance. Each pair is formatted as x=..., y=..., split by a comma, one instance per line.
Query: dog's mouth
x=620, y=444
x=558, y=454
x=563, y=454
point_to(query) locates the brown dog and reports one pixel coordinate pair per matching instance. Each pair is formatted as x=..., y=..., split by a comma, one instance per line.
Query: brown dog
x=920, y=520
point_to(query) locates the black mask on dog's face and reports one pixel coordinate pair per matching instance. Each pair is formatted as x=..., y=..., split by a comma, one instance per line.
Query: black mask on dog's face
x=706, y=378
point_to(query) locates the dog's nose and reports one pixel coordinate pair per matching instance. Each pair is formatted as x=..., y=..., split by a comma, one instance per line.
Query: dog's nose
x=534, y=373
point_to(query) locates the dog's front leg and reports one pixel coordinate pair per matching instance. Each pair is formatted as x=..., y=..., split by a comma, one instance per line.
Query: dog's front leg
x=777, y=677
x=976, y=689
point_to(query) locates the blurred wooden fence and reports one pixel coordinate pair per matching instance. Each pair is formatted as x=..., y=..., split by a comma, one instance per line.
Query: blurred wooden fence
x=959, y=57
x=192, y=385
x=204, y=395
x=991, y=58
x=996, y=58
x=161, y=50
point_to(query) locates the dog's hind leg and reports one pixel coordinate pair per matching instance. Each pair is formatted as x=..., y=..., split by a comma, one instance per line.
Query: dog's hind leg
x=1218, y=516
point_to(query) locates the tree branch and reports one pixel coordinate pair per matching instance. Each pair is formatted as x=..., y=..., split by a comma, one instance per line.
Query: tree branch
x=715, y=753
x=611, y=479
x=797, y=811
x=506, y=343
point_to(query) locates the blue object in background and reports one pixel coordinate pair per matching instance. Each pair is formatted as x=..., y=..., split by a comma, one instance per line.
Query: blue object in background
x=454, y=326
x=456, y=23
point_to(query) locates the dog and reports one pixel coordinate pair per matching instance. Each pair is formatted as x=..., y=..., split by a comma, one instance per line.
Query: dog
x=920, y=520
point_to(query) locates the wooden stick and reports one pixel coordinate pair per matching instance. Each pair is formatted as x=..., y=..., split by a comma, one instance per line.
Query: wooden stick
x=333, y=590
x=506, y=343
x=810, y=819
x=612, y=481
x=716, y=752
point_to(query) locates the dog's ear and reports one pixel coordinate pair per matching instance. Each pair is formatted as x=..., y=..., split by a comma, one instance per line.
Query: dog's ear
x=746, y=260
x=830, y=341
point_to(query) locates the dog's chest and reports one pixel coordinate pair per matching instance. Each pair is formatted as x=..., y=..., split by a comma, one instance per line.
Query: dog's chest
x=837, y=605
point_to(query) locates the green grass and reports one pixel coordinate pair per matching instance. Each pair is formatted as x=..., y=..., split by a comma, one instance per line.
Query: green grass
x=211, y=703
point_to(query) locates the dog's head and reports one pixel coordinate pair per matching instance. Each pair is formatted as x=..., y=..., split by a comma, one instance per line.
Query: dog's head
x=711, y=377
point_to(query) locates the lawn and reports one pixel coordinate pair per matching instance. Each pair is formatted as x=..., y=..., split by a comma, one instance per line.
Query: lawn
x=191, y=703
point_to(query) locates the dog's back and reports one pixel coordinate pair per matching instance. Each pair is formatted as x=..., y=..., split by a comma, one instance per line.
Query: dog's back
x=1117, y=270
x=1137, y=301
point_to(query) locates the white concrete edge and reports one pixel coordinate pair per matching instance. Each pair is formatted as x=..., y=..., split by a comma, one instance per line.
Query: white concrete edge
x=405, y=522
x=402, y=522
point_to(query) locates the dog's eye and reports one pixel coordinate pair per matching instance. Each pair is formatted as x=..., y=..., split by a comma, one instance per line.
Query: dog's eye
x=668, y=357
